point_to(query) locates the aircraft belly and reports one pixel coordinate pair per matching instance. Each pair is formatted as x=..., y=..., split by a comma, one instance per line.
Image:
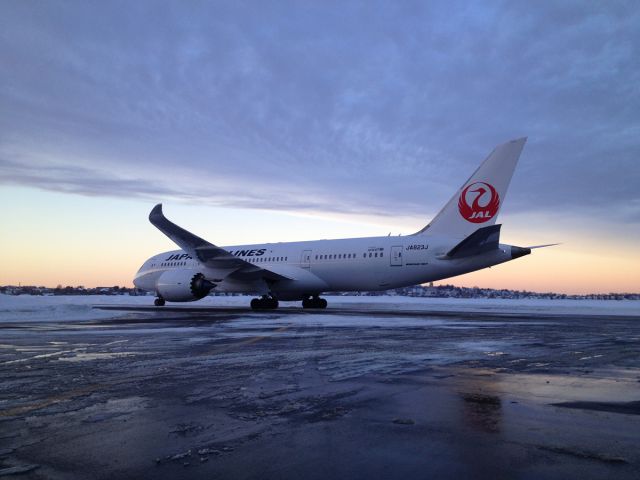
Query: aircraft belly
x=450, y=268
x=347, y=279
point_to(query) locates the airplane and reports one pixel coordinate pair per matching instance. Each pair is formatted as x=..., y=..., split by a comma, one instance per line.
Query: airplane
x=463, y=237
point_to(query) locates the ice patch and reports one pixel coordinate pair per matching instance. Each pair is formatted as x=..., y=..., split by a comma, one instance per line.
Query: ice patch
x=83, y=357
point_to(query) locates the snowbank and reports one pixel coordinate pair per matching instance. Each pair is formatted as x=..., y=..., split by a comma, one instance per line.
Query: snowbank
x=73, y=308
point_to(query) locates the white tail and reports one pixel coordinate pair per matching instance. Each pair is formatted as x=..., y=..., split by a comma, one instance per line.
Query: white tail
x=477, y=203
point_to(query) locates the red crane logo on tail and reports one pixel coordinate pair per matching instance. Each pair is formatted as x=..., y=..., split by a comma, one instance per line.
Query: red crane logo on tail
x=479, y=202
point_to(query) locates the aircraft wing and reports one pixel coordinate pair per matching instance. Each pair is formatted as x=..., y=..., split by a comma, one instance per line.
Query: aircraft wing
x=213, y=257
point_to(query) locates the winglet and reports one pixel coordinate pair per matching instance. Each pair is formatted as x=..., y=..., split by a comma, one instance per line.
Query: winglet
x=156, y=212
x=181, y=237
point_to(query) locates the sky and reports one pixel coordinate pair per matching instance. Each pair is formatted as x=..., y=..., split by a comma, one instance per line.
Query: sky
x=282, y=121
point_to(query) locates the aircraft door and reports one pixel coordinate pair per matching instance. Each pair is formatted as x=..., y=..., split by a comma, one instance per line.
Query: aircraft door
x=396, y=256
x=305, y=261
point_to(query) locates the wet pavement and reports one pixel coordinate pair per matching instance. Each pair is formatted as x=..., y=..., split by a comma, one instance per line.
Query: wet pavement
x=350, y=392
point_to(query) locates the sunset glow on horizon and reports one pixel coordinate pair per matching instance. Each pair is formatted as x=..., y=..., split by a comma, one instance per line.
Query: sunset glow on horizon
x=92, y=241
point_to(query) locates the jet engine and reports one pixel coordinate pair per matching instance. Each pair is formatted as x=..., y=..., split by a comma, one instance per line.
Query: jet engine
x=183, y=286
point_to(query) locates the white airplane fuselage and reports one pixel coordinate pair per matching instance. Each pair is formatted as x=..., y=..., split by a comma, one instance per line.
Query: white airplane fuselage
x=353, y=264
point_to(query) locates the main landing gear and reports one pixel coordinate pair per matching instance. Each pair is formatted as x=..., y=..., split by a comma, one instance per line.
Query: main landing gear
x=314, y=302
x=265, y=302
x=159, y=302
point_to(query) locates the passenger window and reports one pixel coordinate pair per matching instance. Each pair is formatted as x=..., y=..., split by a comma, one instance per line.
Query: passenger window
x=369, y=254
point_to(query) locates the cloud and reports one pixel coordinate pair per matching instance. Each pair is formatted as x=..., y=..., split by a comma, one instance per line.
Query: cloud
x=347, y=107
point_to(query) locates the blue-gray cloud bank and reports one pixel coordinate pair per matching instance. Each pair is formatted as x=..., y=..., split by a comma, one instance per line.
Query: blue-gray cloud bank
x=336, y=106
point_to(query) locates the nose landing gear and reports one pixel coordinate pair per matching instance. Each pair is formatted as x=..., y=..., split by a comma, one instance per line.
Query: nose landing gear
x=265, y=302
x=159, y=302
x=314, y=302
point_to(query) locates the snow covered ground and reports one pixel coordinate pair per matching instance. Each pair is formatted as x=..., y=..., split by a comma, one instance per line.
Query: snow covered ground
x=73, y=308
x=137, y=392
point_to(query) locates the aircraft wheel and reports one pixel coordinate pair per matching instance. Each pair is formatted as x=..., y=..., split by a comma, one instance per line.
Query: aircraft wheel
x=314, y=302
x=159, y=302
x=264, y=303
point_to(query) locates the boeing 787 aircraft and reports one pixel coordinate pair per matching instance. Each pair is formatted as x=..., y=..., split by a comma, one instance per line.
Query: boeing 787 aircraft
x=462, y=238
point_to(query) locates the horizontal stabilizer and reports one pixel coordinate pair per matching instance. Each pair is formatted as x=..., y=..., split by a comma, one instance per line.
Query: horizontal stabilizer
x=480, y=241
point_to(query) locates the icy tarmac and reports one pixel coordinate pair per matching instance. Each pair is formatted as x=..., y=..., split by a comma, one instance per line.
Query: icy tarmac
x=370, y=388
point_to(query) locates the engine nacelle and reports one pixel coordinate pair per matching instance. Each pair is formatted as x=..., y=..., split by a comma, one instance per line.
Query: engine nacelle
x=183, y=286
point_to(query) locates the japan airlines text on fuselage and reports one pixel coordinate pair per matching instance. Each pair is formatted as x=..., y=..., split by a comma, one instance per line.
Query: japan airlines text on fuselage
x=463, y=237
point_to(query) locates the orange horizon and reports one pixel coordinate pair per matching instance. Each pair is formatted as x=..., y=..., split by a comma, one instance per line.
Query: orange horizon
x=463, y=284
x=102, y=242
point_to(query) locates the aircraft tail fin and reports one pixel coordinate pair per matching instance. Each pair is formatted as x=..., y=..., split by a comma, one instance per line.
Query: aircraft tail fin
x=478, y=202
